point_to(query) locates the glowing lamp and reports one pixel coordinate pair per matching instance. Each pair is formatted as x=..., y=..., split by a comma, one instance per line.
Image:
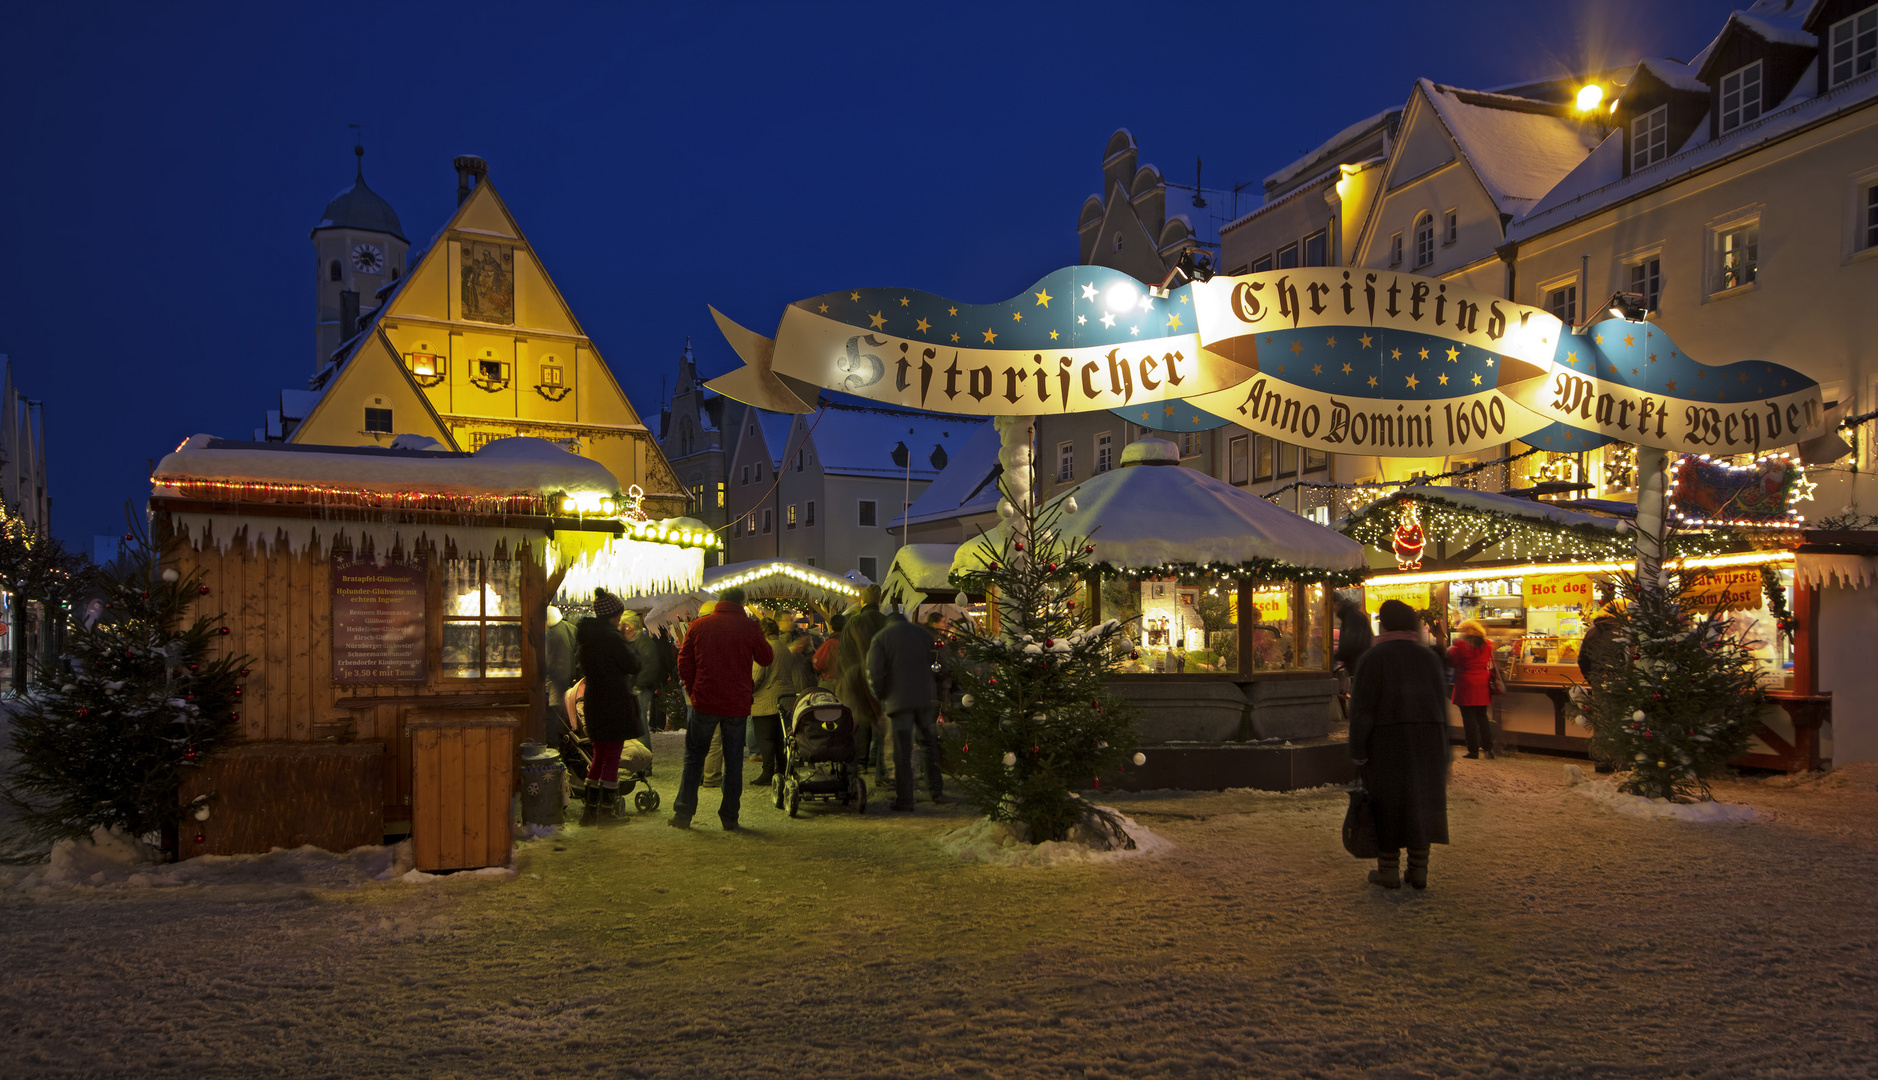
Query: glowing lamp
x=1120, y=297
x=1589, y=97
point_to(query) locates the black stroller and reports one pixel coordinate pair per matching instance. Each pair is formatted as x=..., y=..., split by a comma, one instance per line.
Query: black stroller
x=577, y=752
x=820, y=759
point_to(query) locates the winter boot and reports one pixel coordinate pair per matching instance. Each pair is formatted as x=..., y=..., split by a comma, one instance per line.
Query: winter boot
x=590, y=804
x=1417, y=875
x=612, y=807
x=1388, y=872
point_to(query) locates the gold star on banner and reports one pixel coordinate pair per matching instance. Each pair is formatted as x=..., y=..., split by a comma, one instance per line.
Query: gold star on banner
x=1476, y=378
x=1317, y=369
x=1652, y=358
x=854, y=296
x=1346, y=369
x=1744, y=376
x=879, y=320
x=1395, y=354
x=1629, y=340
x=1672, y=385
x=922, y=326
x=1173, y=322
x=1144, y=417
x=1297, y=347
x=1701, y=374
x=1571, y=358
x=1599, y=339
x=1169, y=411
x=952, y=311
x=1196, y=419
x=1017, y=316
x=1332, y=342
x=1412, y=383
x=1044, y=298
x=824, y=309
x=1281, y=369
x=1424, y=354
x=1088, y=292
x=1633, y=371
x=1365, y=340
x=955, y=338
x=1454, y=356
x=1372, y=380
x=990, y=338
x=1183, y=299
x=903, y=301
x=1444, y=379
x=1052, y=335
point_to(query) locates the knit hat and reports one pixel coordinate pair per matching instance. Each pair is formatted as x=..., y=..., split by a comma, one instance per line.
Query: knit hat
x=606, y=605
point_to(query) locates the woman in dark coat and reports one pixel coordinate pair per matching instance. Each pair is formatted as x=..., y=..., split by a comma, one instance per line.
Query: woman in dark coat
x=612, y=708
x=1399, y=741
x=1472, y=661
x=1353, y=640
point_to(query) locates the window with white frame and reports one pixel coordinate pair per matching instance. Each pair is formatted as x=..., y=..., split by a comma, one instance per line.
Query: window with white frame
x=1287, y=460
x=1238, y=460
x=1189, y=444
x=1065, y=461
x=1317, y=249
x=1852, y=47
x=1646, y=280
x=1737, y=256
x=867, y=513
x=1424, y=239
x=1395, y=249
x=1868, y=220
x=1562, y=301
x=1262, y=264
x=1741, y=97
x=1649, y=138
x=1451, y=227
x=1105, y=452
x=789, y=519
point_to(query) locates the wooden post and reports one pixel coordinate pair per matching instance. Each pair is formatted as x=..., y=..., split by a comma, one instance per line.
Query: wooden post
x=1328, y=625
x=1805, y=637
x=1300, y=626
x=1095, y=597
x=1247, y=620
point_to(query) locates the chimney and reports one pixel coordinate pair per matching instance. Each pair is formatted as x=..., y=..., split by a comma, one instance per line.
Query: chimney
x=469, y=165
x=348, y=314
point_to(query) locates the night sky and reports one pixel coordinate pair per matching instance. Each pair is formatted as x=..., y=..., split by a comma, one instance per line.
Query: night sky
x=165, y=163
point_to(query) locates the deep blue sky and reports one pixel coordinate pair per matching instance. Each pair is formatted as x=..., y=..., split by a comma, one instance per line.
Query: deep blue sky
x=164, y=163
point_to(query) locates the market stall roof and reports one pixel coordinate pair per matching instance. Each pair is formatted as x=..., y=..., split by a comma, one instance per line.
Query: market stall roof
x=1151, y=514
x=766, y=579
x=1473, y=521
x=917, y=571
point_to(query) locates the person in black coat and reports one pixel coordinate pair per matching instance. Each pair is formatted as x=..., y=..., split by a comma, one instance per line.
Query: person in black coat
x=1399, y=741
x=1353, y=640
x=900, y=675
x=611, y=706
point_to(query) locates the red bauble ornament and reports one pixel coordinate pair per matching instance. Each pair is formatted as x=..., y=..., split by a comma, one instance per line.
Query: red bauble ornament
x=993, y=567
x=146, y=596
x=1053, y=568
x=1134, y=656
x=192, y=667
x=1019, y=545
x=84, y=712
x=198, y=838
x=1088, y=549
x=244, y=671
x=1047, y=642
x=237, y=691
x=967, y=749
x=189, y=697
x=1033, y=750
x=224, y=629
x=234, y=716
x=205, y=590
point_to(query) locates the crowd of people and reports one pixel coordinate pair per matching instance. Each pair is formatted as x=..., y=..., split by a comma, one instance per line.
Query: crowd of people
x=610, y=679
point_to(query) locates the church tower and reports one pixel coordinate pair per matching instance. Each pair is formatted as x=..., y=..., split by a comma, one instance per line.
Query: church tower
x=358, y=247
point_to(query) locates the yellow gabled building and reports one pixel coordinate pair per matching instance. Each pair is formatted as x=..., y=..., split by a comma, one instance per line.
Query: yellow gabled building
x=473, y=343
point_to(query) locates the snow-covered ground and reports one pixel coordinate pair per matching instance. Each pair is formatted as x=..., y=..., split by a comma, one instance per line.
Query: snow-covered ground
x=1557, y=939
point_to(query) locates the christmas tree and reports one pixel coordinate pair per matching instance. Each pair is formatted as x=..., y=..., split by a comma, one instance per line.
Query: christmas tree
x=1038, y=724
x=1679, y=697
x=137, y=697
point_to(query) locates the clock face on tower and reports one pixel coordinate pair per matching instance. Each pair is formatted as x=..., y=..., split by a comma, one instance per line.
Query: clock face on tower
x=368, y=259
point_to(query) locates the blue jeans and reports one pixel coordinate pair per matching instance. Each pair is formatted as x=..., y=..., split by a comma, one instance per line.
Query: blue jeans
x=697, y=744
x=908, y=724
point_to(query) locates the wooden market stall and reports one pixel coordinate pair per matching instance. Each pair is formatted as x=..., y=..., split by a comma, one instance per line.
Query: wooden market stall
x=376, y=588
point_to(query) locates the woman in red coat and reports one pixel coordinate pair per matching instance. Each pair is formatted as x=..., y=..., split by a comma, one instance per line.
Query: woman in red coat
x=1471, y=657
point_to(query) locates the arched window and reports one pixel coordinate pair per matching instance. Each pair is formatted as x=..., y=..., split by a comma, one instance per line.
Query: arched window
x=1424, y=239
x=1118, y=241
x=335, y=272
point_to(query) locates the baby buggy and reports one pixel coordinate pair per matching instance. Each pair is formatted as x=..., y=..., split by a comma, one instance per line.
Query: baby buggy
x=635, y=766
x=820, y=759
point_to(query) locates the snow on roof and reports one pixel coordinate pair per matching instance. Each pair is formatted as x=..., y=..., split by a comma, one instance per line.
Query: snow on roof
x=1348, y=134
x=502, y=467
x=1518, y=152
x=299, y=404
x=1676, y=76
x=860, y=441
x=1605, y=165
x=768, y=578
x=1302, y=189
x=1785, y=29
x=967, y=485
x=1771, y=127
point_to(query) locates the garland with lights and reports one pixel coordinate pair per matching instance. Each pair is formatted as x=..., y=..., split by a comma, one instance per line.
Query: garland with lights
x=1704, y=491
x=137, y=698
x=1777, y=601
x=1472, y=530
x=1038, y=722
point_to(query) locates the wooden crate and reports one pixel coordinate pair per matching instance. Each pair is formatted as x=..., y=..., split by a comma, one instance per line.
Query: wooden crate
x=462, y=774
x=264, y=795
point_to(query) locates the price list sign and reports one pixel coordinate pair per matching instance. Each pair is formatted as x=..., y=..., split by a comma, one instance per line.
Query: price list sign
x=378, y=623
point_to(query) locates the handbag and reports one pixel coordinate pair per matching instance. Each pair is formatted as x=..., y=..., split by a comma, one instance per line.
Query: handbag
x=1495, y=685
x=1359, y=826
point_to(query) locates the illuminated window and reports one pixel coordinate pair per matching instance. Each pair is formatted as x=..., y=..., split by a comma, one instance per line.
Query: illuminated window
x=1189, y=444
x=1105, y=452
x=789, y=519
x=1287, y=460
x=551, y=375
x=490, y=374
x=482, y=622
x=1261, y=458
x=428, y=367
x=866, y=514
x=378, y=420
x=1424, y=240
x=1737, y=256
x=720, y=494
x=1852, y=47
x=1741, y=97
x=1649, y=137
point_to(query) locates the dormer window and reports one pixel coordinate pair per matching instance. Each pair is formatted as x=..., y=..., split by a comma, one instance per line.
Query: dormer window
x=1741, y=97
x=1649, y=138
x=1852, y=47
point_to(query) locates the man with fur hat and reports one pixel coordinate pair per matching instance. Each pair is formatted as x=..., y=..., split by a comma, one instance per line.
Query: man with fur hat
x=714, y=663
x=612, y=709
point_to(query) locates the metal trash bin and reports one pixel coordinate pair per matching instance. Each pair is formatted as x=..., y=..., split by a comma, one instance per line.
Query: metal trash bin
x=463, y=772
x=544, y=785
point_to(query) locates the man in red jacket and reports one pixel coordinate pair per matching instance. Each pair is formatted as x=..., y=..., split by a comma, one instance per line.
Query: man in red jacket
x=714, y=665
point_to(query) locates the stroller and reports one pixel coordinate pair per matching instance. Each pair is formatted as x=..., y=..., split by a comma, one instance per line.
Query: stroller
x=819, y=741
x=574, y=741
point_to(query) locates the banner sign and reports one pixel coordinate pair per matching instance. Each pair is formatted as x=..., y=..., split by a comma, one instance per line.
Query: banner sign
x=1271, y=606
x=378, y=623
x=1343, y=360
x=1704, y=492
x=1733, y=589
x=1376, y=593
x=1560, y=590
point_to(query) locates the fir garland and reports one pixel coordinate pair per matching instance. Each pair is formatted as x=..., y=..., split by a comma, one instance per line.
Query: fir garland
x=1777, y=601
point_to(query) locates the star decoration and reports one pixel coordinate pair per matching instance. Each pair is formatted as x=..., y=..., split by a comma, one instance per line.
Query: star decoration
x=1331, y=341
x=1652, y=358
x=1183, y=299
x=1135, y=330
x=1169, y=411
x=1671, y=384
x=955, y=339
x=952, y=311
x=1346, y=369
x=1017, y=316
x=1317, y=369
x=1088, y=292
x=922, y=326
x=1108, y=320
x=1412, y=383
x=1803, y=489
x=1365, y=340
x=824, y=309
x=1082, y=320
x=1424, y=354
x=1476, y=378
x=1599, y=339
x=1444, y=379
x=1372, y=380
x=1489, y=361
x=990, y=338
x=1395, y=354
x=879, y=320
x=1052, y=335
x=1629, y=340
x=1454, y=356
x=1044, y=298
x=1297, y=347
x=854, y=296
x=903, y=301
x=1146, y=304
x=1571, y=358
x=1173, y=322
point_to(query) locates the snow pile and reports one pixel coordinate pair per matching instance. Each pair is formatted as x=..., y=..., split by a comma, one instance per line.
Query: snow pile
x=1005, y=843
x=503, y=467
x=1605, y=791
x=112, y=861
